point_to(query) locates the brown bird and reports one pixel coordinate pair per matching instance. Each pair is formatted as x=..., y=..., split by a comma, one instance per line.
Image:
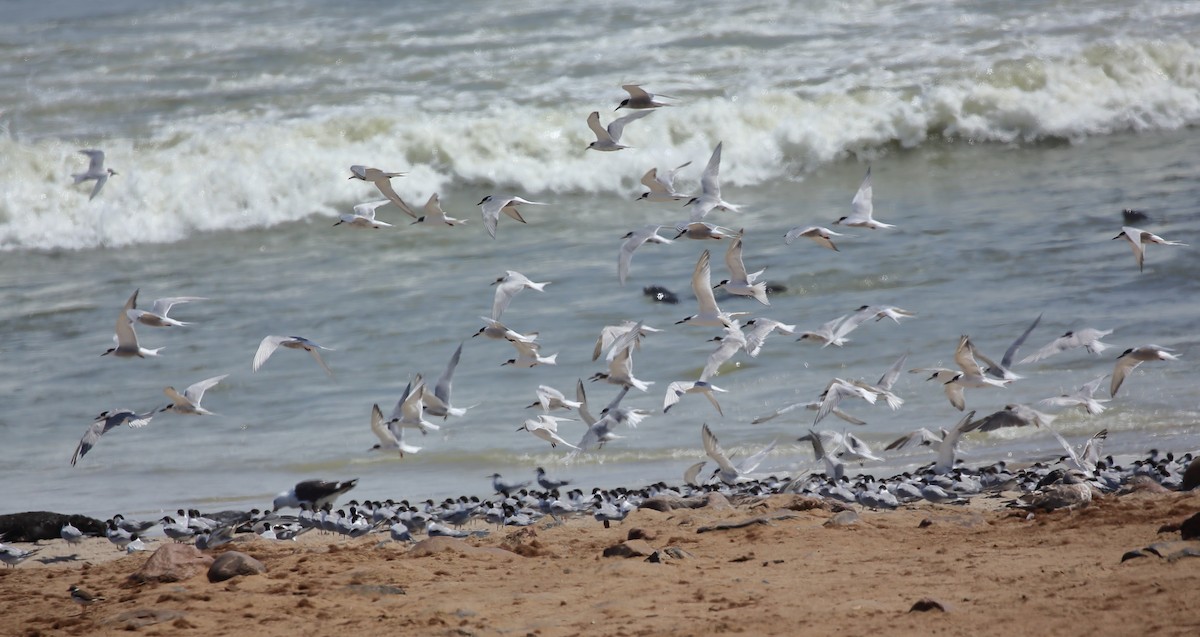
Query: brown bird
x=83, y=598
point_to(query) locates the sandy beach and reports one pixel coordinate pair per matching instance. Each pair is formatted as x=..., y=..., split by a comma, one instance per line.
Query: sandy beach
x=793, y=572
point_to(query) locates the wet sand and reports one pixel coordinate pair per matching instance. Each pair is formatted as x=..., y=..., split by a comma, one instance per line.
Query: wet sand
x=994, y=571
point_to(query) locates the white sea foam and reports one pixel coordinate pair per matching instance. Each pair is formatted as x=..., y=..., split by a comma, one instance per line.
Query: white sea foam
x=233, y=171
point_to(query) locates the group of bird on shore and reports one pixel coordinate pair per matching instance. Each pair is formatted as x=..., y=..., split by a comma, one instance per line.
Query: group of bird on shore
x=419, y=402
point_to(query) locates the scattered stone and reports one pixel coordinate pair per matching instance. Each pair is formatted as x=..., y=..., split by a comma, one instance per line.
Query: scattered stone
x=927, y=604
x=375, y=589
x=806, y=503
x=1134, y=554
x=1189, y=529
x=142, y=617
x=1191, y=476
x=668, y=503
x=442, y=544
x=630, y=548
x=641, y=534
x=762, y=519
x=677, y=553
x=32, y=526
x=718, y=502
x=842, y=518
x=1169, y=551
x=230, y=564
x=172, y=563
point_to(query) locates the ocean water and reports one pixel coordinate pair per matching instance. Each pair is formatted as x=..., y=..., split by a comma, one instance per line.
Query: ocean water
x=1003, y=144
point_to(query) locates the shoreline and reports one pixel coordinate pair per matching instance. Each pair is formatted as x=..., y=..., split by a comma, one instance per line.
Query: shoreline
x=991, y=569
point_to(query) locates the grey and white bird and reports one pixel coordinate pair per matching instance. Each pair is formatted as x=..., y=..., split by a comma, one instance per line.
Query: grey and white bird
x=609, y=138
x=817, y=234
x=545, y=426
x=126, y=338
x=835, y=392
x=1003, y=370
x=71, y=533
x=189, y=401
x=492, y=205
x=633, y=240
x=1087, y=338
x=1138, y=239
x=315, y=493
x=741, y=282
x=390, y=439
x=662, y=187
x=863, y=208
x=437, y=402
x=613, y=338
x=1088, y=455
x=364, y=216
x=95, y=170
x=677, y=389
x=710, y=189
x=1131, y=358
x=620, y=368
x=435, y=215
x=529, y=355
x=508, y=286
x=709, y=315
x=12, y=556
x=383, y=181
x=409, y=411
x=1014, y=415
x=551, y=399
x=834, y=332
x=640, y=98
x=273, y=342
x=497, y=330
x=156, y=316
x=726, y=470
x=105, y=422
x=759, y=329
x=701, y=231
x=883, y=388
x=1083, y=397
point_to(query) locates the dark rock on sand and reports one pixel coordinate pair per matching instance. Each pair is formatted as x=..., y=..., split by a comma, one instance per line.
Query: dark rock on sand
x=32, y=526
x=230, y=564
x=1189, y=529
x=927, y=604
x=1191, y=476
x=630, y=548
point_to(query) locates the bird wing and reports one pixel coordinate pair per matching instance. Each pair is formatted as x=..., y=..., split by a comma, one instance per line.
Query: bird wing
x=889, y=377
x=714, y=450
x=593, y=122
x=733, y=260
x=195, y=391
x=100, y=181
x=442, y=389
x=702, y=285
x=366, y=210
x=95, y=160
x=267, y=347
x=710, y=180
x=617, y=126
x=89, y=440
x=386, y=439
x=675, y=391
x=384, y=185
x=636, y=92
x=1007, y=360
x=164, y=305
x=862, y=204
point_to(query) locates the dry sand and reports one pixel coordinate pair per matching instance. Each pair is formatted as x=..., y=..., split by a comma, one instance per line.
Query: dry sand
x=995, y=572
